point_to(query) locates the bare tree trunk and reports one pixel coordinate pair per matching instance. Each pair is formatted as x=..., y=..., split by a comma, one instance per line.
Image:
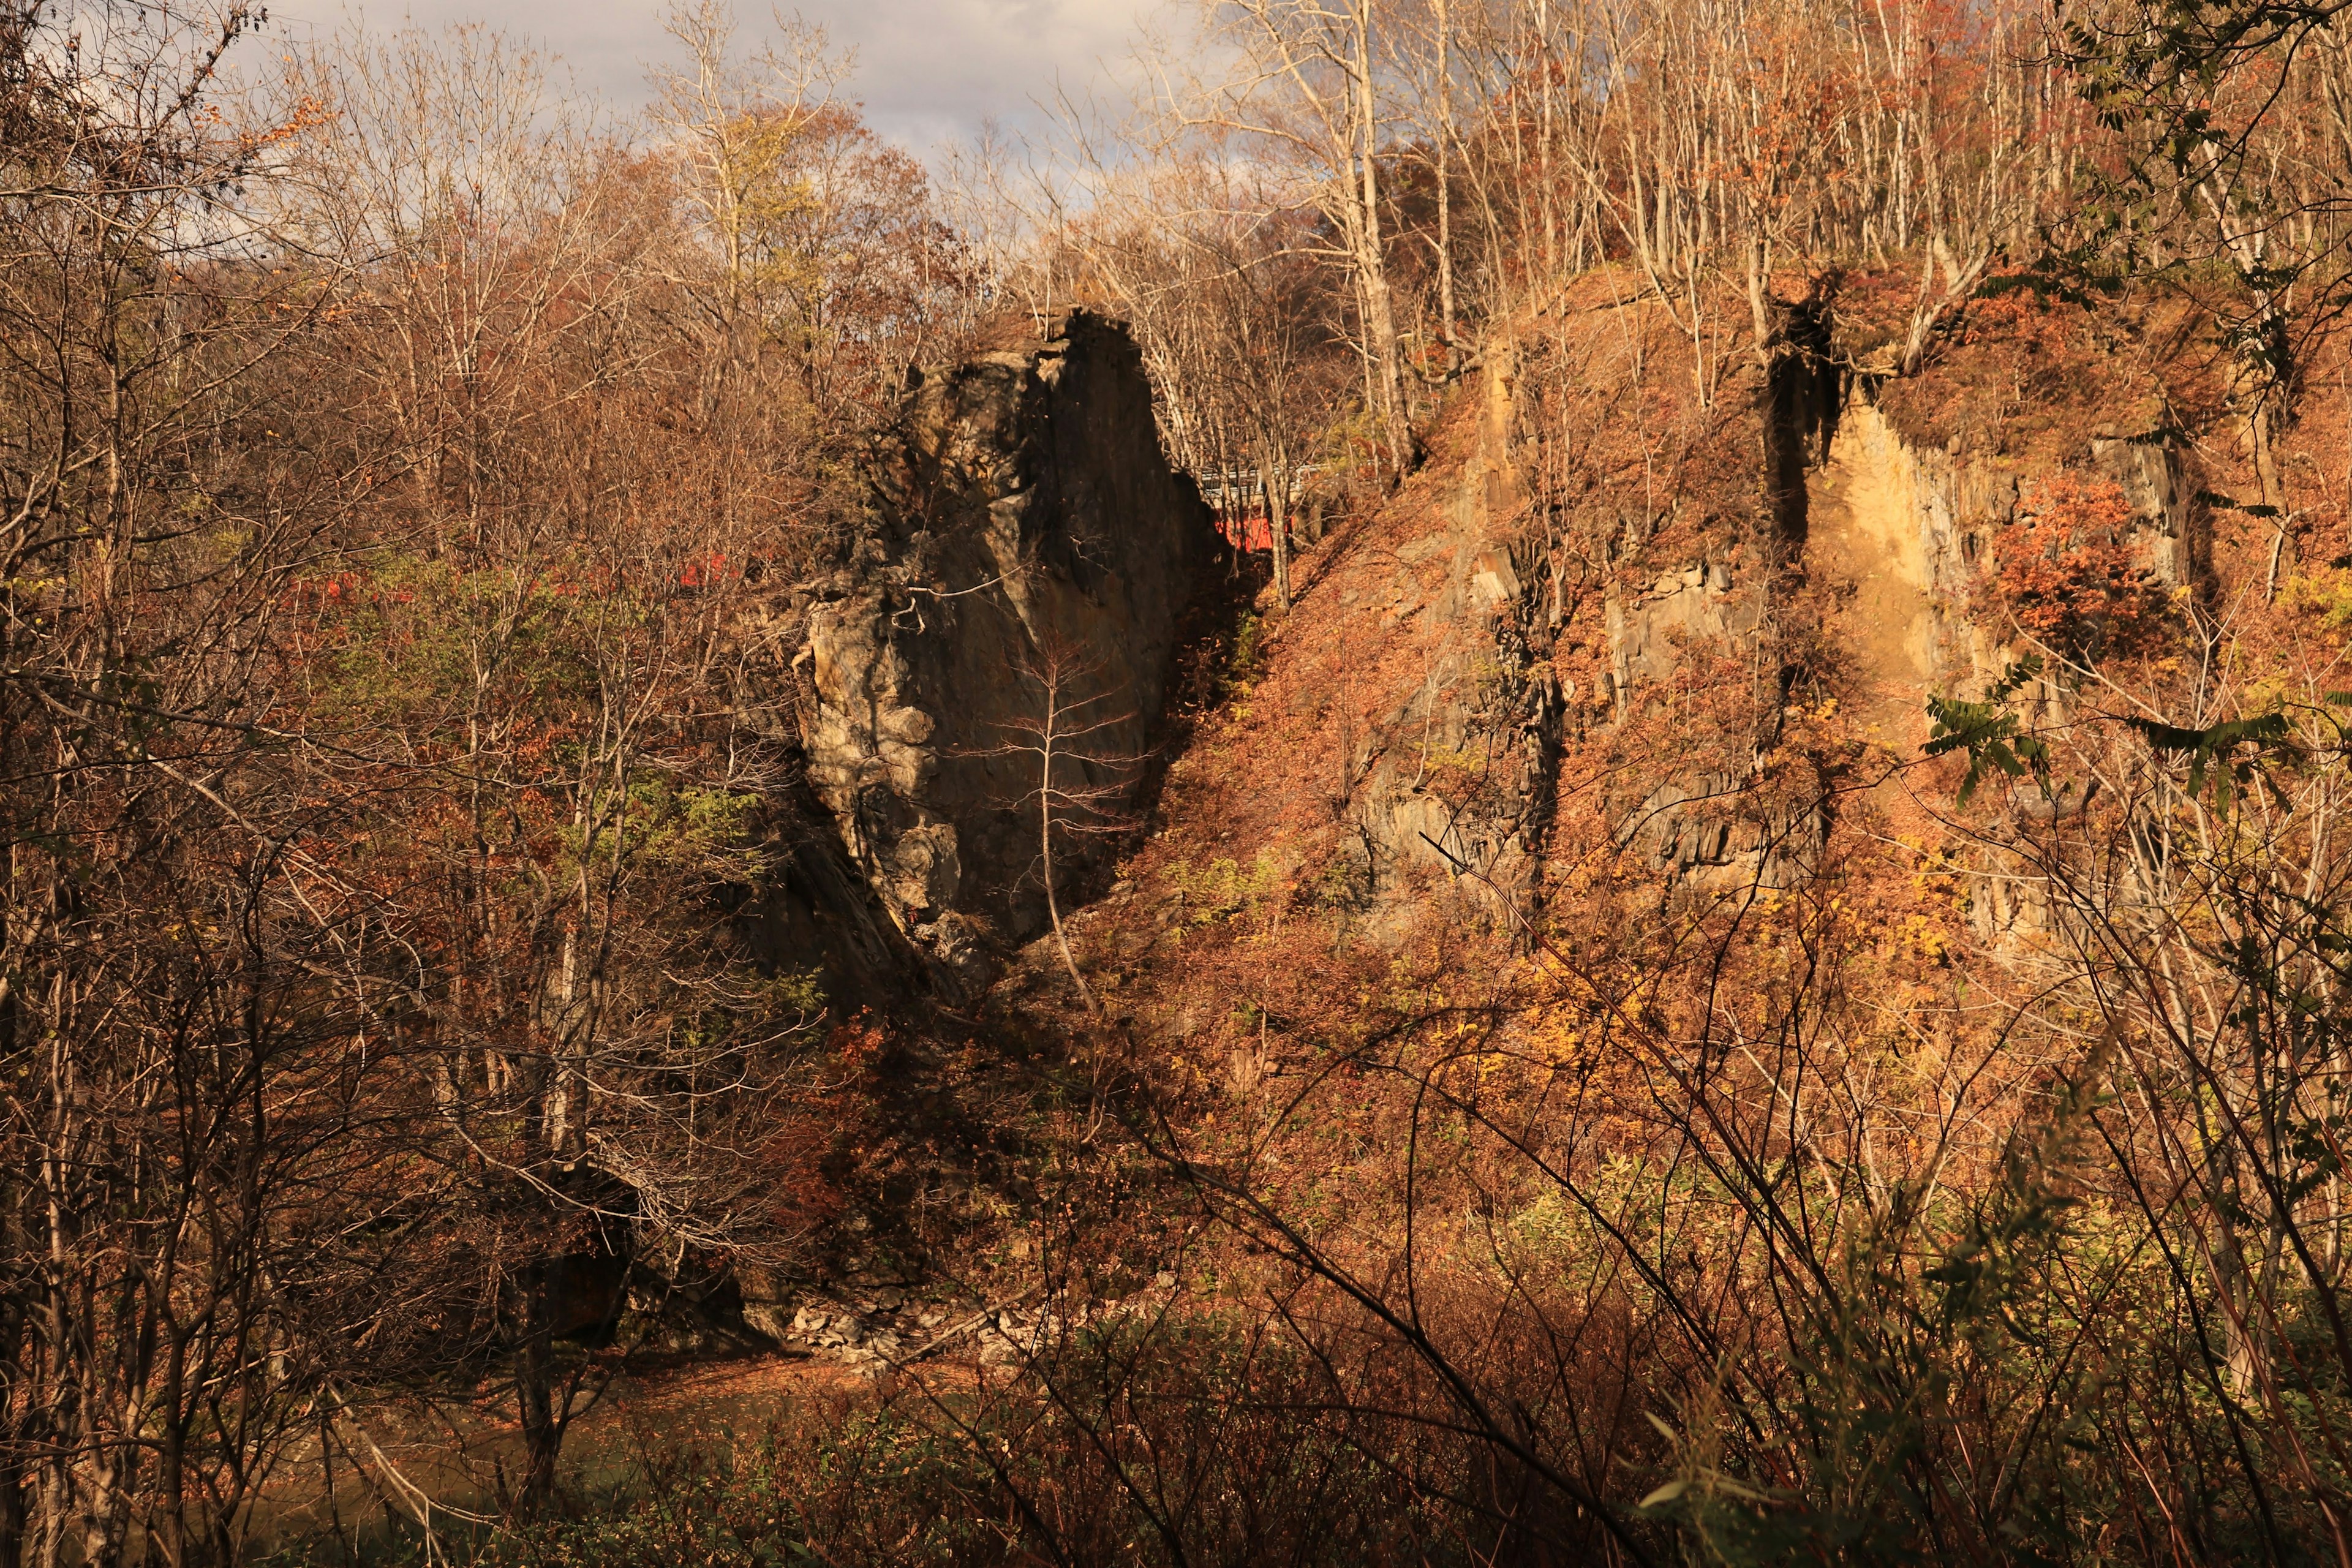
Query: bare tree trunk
x=1444, y=183
x=16, y=1407
x=1372, y=258
x=1046, y=753
x=535, y=1378
x=1277, y=528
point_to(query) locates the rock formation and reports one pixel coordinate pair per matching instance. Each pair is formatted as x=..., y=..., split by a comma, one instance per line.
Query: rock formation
x=1908, y=526
x=1892, y=526
x=1884, y=524
x=1457, y=780
x=1024, y=517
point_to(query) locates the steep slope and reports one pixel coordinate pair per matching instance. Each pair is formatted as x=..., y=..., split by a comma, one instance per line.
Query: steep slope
x=1638, y=640
x=1552, y=958
x=1598, y=736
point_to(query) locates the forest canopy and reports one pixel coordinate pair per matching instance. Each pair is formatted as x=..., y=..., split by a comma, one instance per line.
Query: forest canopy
x=1794, y=1142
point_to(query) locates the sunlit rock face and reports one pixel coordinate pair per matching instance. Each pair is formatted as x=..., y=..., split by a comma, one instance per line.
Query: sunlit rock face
x=1023, y=518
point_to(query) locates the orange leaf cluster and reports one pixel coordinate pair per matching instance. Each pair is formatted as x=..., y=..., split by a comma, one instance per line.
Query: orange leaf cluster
x=2063, y=570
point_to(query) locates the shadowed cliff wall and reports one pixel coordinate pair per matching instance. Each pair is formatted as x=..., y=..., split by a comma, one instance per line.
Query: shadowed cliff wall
x=1023, y=513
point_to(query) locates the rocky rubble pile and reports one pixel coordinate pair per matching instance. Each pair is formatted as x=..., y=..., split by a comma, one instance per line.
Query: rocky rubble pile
x=891, y=1328
x=865, y=1330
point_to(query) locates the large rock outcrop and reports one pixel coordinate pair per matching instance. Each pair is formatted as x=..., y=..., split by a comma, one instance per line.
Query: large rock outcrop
x=1893, y=527
x=1908, y=529
x=1023, y=519
x=1455, y=780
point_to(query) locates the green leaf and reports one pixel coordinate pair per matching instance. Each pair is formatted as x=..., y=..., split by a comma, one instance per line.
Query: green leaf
x=2211, y=752
x=1990, y=731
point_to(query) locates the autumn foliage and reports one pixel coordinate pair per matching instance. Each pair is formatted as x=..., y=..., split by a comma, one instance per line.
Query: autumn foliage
x=2064, y=569
x=1552, y=1074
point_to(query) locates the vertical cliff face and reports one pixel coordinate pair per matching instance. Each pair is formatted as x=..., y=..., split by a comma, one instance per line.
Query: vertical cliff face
x=1690, y=585
x=1882, y=540
x=1902, y=532
x=1904, y=537
x=1024, y=523
x=1456, y=778
x=1864, y=570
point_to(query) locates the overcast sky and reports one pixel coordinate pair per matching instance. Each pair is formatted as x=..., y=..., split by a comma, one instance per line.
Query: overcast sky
x=928, y=70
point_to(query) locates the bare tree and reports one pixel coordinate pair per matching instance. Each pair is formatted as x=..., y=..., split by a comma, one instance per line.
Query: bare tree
x=171, y=1013
x=602, y=480
x=1083, y=789
x=1307, y=86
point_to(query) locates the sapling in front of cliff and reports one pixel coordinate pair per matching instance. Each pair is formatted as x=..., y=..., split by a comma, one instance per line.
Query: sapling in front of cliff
x=1065, y=744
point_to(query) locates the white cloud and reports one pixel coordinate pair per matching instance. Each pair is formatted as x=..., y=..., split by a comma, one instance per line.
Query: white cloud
x=934, y=69
x=928, y=70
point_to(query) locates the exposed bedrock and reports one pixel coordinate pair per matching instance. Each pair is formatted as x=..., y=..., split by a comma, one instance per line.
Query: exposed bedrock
x=1456, y=782
x=1023, y=518
x=1905, y=536
x=1898, y=535
x=1904, y=530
